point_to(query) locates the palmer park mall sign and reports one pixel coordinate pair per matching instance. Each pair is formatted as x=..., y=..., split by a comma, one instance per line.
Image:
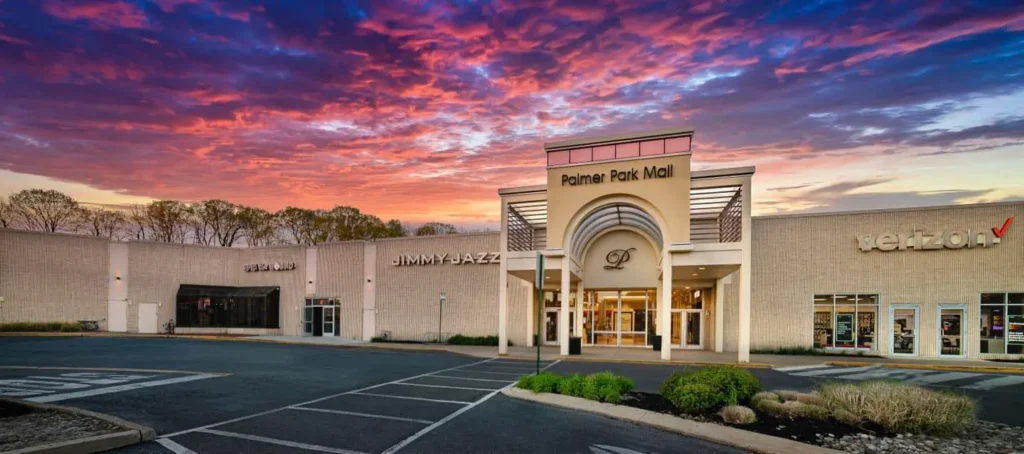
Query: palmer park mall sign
x=620, y=175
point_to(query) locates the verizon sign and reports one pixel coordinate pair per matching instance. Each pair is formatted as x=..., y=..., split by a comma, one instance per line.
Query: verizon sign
x=922, y=240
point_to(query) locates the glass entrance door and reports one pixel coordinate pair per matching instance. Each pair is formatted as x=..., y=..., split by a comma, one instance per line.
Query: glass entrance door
x=329, y=321
x=687, y=328
x=551, y=326
x=904, y=318
x=951, y=330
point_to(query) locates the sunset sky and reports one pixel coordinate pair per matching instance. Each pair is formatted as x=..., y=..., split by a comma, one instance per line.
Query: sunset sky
x=422, y=110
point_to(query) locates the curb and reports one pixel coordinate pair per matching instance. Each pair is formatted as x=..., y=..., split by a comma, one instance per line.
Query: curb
x=936, y=367
x=739, y=438
x=665, y=363
x=135, y=433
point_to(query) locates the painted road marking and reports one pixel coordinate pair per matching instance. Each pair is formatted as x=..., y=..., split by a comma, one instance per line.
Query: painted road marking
x=474, y=379
x=174, y=446
x=428, y=429
x=796, y=368
x=36, y=385
x=96, y=378
x=1006, y=380
x=442, y=386
x=274, y=441
x=816, y=373
x=357, y=391
x=365, y=415
x=117, y=389
x=20, y=392
x=884, y=373
x=494, y=373
x=460, y=402
x=939, y=378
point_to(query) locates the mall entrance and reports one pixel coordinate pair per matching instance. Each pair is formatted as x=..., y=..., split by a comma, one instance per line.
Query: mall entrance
x=320, y=318
x=629, y=318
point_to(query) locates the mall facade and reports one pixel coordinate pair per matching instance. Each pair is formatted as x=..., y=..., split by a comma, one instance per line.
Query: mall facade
x=638, y=250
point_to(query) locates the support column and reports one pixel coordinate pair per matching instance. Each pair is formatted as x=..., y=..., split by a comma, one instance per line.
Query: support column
x=579, y=309
x=531, y=315
x=665, y=305
x=563, y=315
x=744, y=312
x=503, y=282
x=719, y=315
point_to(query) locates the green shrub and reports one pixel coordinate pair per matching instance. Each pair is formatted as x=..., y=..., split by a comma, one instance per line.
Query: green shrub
x=807, y=398
x=572, y=385
x=40, y=327
x=546, y=382
x=785, y=351
x=459, y=339
x=710, y=388
x=525, y=382
x=738, y=414
x=899, y=407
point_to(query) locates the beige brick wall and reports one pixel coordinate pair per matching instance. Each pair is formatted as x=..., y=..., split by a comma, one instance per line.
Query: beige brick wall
x=52, y=277
x=796, y=257
x=156, y=270
x=407, y=296
x=340, y=275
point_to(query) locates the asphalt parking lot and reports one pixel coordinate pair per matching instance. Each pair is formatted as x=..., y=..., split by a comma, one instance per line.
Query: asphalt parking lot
x=211, y=397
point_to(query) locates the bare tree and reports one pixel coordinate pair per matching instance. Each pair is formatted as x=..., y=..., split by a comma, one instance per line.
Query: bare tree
x=222, y=221
x=436, y=228
x=46, y=210
x=166, y=219
x=258, y=226
x=196, y=222
x=5, y=214
x=106, y=223
x=138, y=221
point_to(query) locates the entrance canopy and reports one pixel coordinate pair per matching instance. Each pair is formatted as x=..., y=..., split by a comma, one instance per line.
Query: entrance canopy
x=613, y=215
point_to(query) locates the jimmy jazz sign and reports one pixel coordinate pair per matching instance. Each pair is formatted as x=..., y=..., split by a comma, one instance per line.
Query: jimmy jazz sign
x=479, y=258
x=632, y=174
x=923, y=239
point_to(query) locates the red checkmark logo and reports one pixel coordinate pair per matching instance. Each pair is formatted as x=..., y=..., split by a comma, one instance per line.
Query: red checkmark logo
x=1006, y=226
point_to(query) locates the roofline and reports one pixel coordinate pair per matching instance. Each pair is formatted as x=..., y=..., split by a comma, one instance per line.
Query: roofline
x=722, y=172
x=618, y=138
x=891, y=210
x=538, y=188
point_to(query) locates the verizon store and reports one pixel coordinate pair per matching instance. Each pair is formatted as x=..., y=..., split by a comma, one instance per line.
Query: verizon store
x=639, y=252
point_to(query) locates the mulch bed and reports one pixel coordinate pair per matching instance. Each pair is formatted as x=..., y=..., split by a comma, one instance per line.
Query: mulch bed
x=803, y=430
x=22, y=426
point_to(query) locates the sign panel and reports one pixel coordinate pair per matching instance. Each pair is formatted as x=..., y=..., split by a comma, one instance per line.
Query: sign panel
x=924, y=239
x=622, y=175
x=256, y=267
x=844, y=327
x=1015, y=329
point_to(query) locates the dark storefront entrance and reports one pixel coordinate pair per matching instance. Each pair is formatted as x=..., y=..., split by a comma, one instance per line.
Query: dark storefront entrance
x=320, y=317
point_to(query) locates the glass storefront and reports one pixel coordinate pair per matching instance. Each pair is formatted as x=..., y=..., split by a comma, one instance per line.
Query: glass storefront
x=845, y=321
x=629, y=318
x=1002, y=323
x=205, y=306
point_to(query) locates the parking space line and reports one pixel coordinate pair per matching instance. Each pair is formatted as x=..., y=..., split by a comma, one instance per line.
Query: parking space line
x=796, y=368
x=474, y=379
x=274, y=441
x=525, y=370
x=442, y=386
x=118, y=369
x=356, y=391
x=460, y=402
x=365, y=415
x=428, y=429
x=117, y=389
x=495, y=373
x=174, y=446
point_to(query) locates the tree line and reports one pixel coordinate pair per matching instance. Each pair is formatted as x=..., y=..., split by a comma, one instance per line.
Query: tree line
x=208, y=222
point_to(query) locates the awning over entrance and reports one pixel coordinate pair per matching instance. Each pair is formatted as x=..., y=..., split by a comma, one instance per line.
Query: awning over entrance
x=612, y=215
x=215, y=291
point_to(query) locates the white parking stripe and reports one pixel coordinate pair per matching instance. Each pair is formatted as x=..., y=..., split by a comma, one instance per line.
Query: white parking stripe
x=356, y=391
x=474, y=379
x=119, y=388
x=460, y=402
x=835, y=370
x=884, y=373
x=796, y=368
x=274, y=441
x=939, y=378
x=174, y=446
x=1006, y=380
x=450, y=417
x=447, y=387
x=495, y=373
x=365, y=415
x=19, y=392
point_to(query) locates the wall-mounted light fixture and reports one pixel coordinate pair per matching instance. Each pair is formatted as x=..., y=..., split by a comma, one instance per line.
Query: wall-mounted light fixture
x=118, y=278
x=368, y=281
x=310, y=282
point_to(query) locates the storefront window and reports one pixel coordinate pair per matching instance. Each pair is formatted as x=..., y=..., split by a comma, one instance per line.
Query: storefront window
x=845, y=321
x=1002, y=323
x=228, y=307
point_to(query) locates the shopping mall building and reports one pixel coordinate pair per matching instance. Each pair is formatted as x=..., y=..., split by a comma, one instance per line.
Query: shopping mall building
x=637, y=249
